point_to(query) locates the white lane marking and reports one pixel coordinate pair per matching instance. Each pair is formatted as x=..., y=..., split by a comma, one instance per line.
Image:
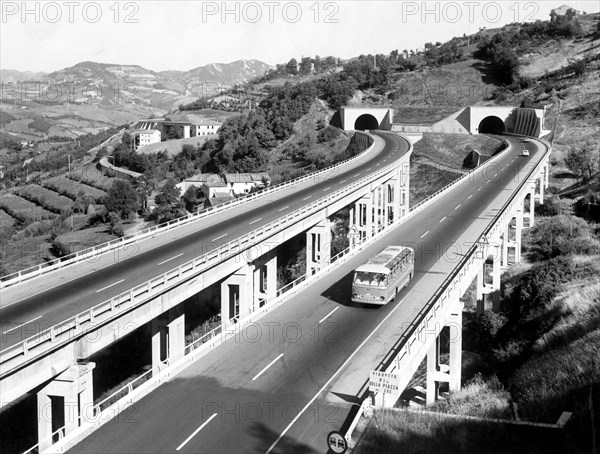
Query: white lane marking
x=469, y=196
x=22, y=324
x=443, y=219
x=343, y=181
x=108, y=286
x=458, y=206
x=268, y=365
x=284, y=208
x=480, y=188
x=328, y=382
x=377, y=165
x=356, y=174
x=306, y=198
x=327, y=188
x=196, y=431
x=172, y=258
x=369, y=169
x=324, y=318
x=219, y=237
x=255, y=221
x=425, y=234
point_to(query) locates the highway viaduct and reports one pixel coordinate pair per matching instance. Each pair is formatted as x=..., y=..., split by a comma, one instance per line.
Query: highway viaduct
x=246, y=271
x=245, y=268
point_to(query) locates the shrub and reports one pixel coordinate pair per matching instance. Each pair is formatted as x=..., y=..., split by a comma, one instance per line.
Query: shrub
x=562, y=235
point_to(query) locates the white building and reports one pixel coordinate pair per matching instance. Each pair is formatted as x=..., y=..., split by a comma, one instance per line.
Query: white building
x=242, y=183
x=145, y=137
x=207, y=127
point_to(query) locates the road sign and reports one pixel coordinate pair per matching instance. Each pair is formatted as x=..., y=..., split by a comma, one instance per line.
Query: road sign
x=384, y=382
x=336, y=442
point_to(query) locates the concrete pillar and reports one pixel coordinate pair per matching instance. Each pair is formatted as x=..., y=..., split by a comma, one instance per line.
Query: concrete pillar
x=186, y=131
x=265, y=278
x=318, y=246
x=541, y=189
x=546, y=176
x=73, y=390
x=433, y=362
x=479, y=294
x=505, y=243
x=518, y=234
x=168, y=337
x=531, y=208
x=455, y=361
x=398, y=213
x=237, y=294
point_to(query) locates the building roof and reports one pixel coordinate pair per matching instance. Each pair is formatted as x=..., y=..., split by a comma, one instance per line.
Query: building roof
x=204, y=177
x=214, y=201
x=146, y=131
x=247, y=177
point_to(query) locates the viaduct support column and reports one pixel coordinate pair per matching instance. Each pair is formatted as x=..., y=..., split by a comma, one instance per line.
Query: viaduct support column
x=456, y=324
x=518, y=234
x=505, y=244
x=168, y=337
x=237, y=294
x=433, y=369
x=541, y=183
x=265, y=278
x=318, y=246
x=70, y=398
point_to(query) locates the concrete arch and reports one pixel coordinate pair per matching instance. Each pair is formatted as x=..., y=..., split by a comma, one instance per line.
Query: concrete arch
x=353, y=118
x=366, y=121
x=492, y=125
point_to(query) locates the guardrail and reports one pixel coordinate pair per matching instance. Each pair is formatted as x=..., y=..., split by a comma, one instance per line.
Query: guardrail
x=211, y=338
x=98, y=250
x=139, y=294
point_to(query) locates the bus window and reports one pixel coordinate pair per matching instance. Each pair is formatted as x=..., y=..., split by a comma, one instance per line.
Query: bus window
x=370, y=279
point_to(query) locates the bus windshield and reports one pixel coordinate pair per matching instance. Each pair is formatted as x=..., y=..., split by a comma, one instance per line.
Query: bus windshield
x=371, y=279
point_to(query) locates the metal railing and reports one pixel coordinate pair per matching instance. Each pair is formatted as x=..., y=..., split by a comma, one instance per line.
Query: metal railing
x=98, y=250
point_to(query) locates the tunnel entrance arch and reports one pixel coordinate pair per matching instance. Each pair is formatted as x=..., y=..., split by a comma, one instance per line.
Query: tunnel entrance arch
x=492, y=125
x=366, y=121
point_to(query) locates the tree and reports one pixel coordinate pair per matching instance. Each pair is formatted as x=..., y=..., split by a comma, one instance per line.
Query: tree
x=193, y=198
x=168, y=195
x=292, y=67
x=583, y=161
x=305, y=65
x=122, y=199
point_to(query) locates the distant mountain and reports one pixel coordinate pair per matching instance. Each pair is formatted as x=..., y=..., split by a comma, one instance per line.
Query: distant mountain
x=239, y=71
x=112, y=84
x=12, y=75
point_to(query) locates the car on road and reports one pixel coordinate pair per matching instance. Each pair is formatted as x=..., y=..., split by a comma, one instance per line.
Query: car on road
x=525, y=139
x=525, y=153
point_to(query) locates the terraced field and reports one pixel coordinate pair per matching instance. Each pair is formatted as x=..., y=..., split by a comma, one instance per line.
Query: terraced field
x=91, y=176
x=6, y=220
x=48, y=199
x=72, y=188
x=24, y=210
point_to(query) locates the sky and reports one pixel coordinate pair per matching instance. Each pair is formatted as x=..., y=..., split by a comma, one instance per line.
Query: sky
x=181, y=35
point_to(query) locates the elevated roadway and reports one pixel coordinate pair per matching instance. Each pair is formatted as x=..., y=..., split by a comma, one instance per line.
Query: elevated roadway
x=284, y=383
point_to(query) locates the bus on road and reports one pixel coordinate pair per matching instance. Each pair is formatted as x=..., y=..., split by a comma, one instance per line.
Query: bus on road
x=380, y=279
